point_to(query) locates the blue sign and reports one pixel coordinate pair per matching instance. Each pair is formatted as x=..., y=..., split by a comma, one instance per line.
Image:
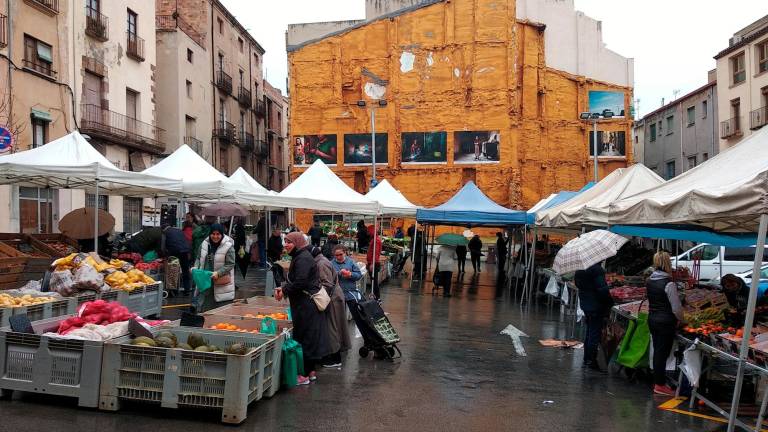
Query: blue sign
x=6, y=140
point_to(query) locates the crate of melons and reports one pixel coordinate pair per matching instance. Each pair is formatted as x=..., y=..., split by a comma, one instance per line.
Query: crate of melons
x=191, y=367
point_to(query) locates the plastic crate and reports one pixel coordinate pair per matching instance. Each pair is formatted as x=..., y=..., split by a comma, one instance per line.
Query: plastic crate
x=265, y=301
x=244, y=323
x=244, y=309
x=42, y=311
x=40, y=364
x=146, y=301
x=177, y=378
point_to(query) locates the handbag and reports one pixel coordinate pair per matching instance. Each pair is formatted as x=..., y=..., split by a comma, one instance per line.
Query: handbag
x=223, y=280
x=321, y=299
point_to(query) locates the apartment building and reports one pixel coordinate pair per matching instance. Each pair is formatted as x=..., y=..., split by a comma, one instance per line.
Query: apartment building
x=277, y=138
x=742, y=71
x=211, y=93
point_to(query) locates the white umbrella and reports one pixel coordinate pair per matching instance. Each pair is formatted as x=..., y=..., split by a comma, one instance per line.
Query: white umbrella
x=587, y=250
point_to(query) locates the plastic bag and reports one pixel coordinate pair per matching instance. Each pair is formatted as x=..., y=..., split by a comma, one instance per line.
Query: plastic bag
x=88, y=278
x=633, y=351
x=691, y=365
x=150, y=256
x=202, y=279
x=62, y=282
x=268, y=326
x=292, y=362
x=552, y=288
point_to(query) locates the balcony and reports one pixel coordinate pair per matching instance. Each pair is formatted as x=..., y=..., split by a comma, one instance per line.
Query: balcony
x=244, y=97
x=224, y=81
x=3, y=31
x=194, y=143
x=42, y=68
x=757, y=118
x=261, y=149
x=224, y=132
x=245, y=140
x=135, y=47
x=120, y=129
x=50, y=7
x=96, y=24
x=730, y=128
x=260, y=108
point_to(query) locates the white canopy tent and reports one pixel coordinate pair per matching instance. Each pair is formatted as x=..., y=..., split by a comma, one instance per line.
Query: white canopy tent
x=243, y=178
x=318, y=188
x=393, y=203
x=591, y=206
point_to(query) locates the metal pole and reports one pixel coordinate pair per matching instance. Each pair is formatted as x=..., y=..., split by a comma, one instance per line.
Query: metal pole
x=594, y=146
x=748, y=321
x=413, y=252
x=96, y=218
x=373, y=146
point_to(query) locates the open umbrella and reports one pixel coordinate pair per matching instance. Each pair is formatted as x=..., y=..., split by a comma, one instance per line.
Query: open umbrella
x=449, y=239
x=587, y=250
x=224, y=209
x=78, y=224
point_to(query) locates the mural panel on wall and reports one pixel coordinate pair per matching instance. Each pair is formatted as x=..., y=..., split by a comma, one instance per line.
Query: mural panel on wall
x=600, y=101
x=609, y=144
x=309, y=148
x=357, y=149
x=476, y=147
x=424, y=147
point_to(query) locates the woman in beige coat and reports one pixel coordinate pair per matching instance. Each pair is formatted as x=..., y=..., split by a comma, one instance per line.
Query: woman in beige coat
x=336, y=313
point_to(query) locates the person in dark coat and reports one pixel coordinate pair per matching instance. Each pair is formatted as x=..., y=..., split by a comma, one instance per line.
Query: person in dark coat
x=475, y=251
x=174, y=243
x=336, y=313
x=501, y=252
x=315, y=234
x=461, y=255
x=330, y=246
x=596, y=302
x=146, y=240
x=241, y=255
x=261, y=241
x=362, y=236
x=310, y=327
x=275, y=245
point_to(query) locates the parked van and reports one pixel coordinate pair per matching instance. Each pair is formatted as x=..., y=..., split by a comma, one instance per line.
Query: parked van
x=717, y=261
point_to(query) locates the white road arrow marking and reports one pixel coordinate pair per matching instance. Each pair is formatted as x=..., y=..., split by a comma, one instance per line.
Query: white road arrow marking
x=516, y=334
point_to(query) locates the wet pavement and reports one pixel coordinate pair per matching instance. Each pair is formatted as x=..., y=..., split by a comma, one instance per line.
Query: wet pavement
x=457, y=374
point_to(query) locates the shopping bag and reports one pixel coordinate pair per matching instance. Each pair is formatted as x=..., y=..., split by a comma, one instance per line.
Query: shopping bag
x=633, y=351
x=691, y=365
x=149, y=256
x=552, y=288
x=292, y=362
x=202, y=279
x=268, y=326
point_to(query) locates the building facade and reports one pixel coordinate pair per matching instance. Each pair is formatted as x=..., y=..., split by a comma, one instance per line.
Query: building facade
x=276, y=144
x=460, y=90
x=742, y=71
x=681, y=134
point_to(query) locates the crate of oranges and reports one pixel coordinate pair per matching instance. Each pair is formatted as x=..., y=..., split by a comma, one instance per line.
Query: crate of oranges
x=240, y=324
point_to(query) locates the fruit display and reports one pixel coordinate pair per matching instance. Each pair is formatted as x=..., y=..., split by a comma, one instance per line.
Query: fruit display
x=7, y=300
x=705, y=322
x=98, y=312
x=230, y=327
x=626, y=294
x=276, y=316
x=129, y=281
x=88, y=272
x=195, y=342
x=62, y=249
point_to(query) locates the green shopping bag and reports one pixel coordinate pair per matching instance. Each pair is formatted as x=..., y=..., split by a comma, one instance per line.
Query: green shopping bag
x=292, y=362
x=268, y=326
x=202, y=279
x=633, y=351
x=150, y=256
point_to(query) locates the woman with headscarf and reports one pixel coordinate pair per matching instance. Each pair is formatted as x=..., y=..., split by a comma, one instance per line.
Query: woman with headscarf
x=336, y=314
x=310, y=327
x=217, y=254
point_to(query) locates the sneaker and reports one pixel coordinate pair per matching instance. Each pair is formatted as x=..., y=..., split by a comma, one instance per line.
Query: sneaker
x=302, y=380
x=313, y=376
x=663, y=390
x=332, y=365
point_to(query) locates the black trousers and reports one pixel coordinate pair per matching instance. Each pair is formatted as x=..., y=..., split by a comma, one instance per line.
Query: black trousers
x=595, y=322
x=445, y=281
x=462, y=262
x=475, y=260
x=375, y=280
x=663, y=337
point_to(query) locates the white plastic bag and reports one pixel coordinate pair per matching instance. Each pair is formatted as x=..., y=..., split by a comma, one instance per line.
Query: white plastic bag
x=552, y=288
x=564, y=297
x=691, y=365
x=579, y=312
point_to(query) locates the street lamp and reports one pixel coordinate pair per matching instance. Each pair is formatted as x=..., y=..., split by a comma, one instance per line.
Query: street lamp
x=594, y=118
x=380, y=103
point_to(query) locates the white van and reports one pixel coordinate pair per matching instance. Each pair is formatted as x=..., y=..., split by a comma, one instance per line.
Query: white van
x=717, y=261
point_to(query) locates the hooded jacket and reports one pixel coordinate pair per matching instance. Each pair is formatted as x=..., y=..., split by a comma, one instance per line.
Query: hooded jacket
x=663, y=299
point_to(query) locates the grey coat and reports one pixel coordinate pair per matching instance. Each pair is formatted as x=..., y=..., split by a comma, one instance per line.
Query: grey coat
x=336, y=313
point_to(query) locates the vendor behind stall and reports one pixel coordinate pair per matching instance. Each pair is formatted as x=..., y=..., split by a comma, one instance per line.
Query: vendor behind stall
x=146, y=240
x=737, y=292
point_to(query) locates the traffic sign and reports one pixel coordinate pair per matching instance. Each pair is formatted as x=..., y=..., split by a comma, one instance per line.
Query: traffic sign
x=6, y=140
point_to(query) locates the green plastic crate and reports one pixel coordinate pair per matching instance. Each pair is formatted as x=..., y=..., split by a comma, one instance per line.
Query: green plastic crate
x=176, y=378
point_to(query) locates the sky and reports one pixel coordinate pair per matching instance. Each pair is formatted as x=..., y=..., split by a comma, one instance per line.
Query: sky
x=672, y=41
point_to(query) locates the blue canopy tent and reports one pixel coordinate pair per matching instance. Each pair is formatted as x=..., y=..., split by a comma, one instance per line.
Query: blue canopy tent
x=471, y=207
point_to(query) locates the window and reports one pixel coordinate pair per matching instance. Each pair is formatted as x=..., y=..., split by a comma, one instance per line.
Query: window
x=705, y=157
x=221, y=25
x=190, y=126
x=132, y=211
x=738, y=74
x=224, y=160
x=221, y=61
x=692, y=162
x=670, y=125
x=762, y=57
x=222, y=111
x=256, y=58
x=93, y=5
x=133, y=20
x=189, y=89
x=39, y=132
x=736, y=114
x=38, y=56
x=659, y=127
x=240, y=44
x=691, y=116
x=242, y=74
x=35, y=210
x=742, y=254
x=653, y=132
x=103, y=201
x=190, y=55
x=709, y=252
x=704, y=109
x=670, y=170
x=242, y=123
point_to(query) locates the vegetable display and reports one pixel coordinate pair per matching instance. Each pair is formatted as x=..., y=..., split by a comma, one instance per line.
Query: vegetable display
x=7, y=300
x=195, y=342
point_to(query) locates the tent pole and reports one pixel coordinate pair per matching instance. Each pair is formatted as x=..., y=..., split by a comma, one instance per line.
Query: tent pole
x=748, y=321
x=413, y=253
x=96, y=216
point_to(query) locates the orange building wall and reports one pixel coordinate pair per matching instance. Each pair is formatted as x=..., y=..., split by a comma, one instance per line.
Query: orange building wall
x=476, y=68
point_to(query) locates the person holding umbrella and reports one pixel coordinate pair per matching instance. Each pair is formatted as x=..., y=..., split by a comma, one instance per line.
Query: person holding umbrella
x=446, y=259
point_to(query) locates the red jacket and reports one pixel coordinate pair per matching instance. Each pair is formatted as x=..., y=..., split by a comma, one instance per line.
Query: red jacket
x=373, y=246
